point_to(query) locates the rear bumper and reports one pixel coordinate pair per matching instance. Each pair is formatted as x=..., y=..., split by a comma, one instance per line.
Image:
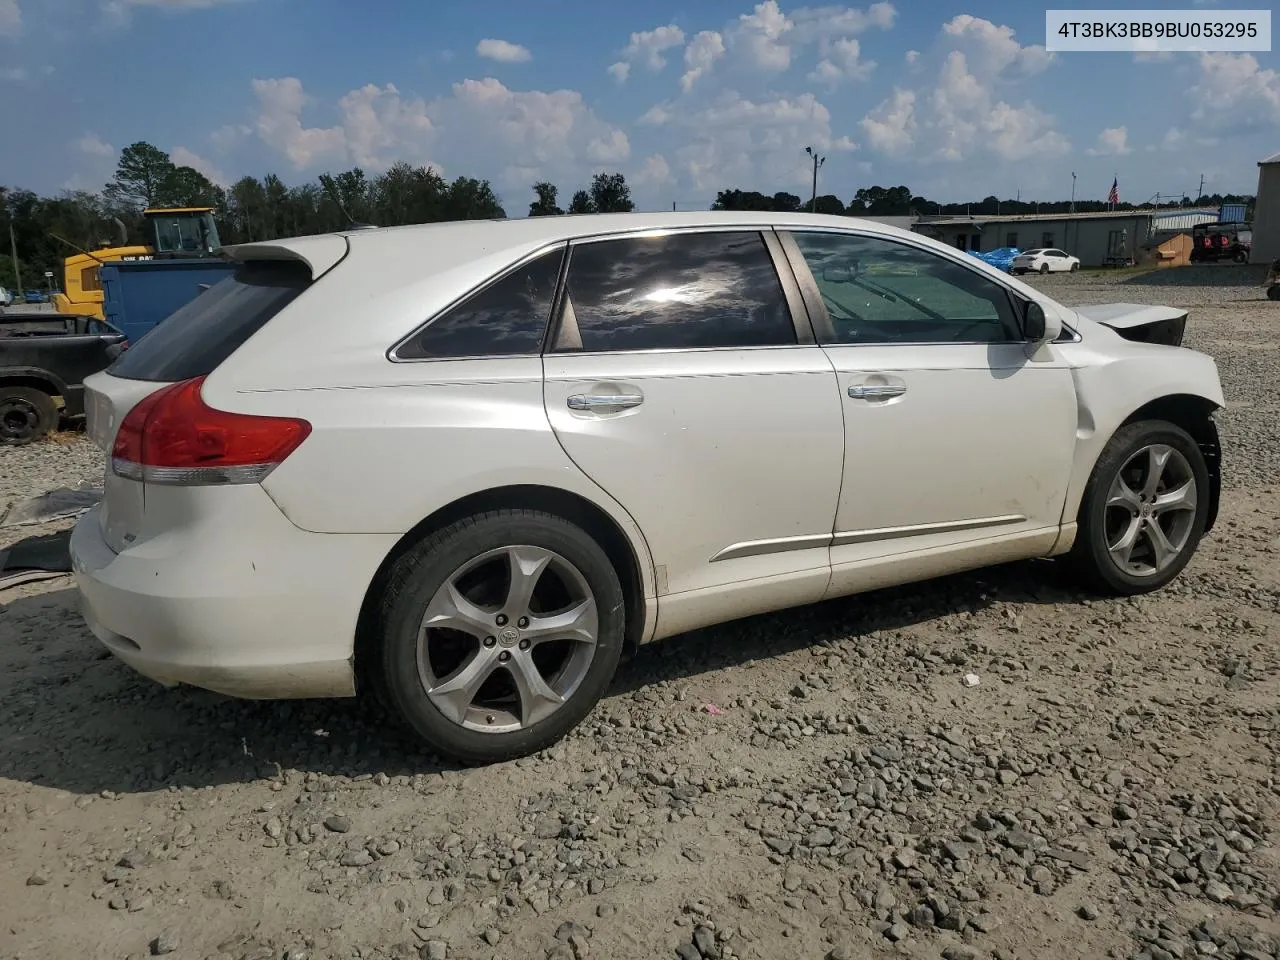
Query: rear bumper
x=256, y=609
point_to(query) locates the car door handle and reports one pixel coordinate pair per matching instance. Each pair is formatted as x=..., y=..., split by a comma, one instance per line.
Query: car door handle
x=594, y=401
x=876, y=391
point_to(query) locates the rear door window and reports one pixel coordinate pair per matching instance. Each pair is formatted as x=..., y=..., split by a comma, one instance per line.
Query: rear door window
x=198, y=337
x=503, y=319
x=677, y=292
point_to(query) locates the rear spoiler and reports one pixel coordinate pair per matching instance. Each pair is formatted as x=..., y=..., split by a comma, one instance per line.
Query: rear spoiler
x=321, y=254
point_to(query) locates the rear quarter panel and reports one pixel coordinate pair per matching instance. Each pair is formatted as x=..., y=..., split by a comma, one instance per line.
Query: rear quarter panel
x=393, y=443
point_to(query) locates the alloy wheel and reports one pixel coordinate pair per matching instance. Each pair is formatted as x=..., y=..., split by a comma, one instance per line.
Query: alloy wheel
x=1150, y=510
x=507, y=639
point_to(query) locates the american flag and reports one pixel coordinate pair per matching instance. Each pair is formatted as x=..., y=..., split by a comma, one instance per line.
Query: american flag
x=1114, y=196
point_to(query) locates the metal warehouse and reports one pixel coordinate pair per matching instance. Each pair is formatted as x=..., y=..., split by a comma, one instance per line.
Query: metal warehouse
x=1266, y=212
x=1098, y=239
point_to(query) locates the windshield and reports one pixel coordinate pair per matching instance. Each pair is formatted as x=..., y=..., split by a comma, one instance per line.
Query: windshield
x=190, y=234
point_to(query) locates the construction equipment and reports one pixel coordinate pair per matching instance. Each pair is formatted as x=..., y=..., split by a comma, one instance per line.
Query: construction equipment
x=185, y=233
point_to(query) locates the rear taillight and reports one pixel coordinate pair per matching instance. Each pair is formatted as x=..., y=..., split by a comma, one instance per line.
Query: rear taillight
x=173, y=437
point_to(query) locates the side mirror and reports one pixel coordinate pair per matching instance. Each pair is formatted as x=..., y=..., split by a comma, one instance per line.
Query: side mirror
x=837, y=275
x=1034, y=324
x=1039, y=326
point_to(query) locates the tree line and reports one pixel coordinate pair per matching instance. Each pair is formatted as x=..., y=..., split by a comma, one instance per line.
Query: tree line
x=900, y=201
x=47, y=229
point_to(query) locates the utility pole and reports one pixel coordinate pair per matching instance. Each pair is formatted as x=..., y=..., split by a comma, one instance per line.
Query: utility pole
x=1073, y=191
x=1200, y=191
x=817, y=162
x=13, y=248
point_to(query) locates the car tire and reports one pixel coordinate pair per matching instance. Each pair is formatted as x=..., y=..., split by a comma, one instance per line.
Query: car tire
x=1044, y=268
x=27, y=414
x=421, y=672
x=1112, y=510
x=1075, y=267
x=1273, y=292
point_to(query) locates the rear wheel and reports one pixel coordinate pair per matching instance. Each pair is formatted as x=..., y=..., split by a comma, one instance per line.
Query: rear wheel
x=26, y=414
x=499, y=633
x=1273, y=292
x=1144, y=509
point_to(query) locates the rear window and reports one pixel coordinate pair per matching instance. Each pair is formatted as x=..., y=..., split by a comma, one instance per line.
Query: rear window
x=197, y=338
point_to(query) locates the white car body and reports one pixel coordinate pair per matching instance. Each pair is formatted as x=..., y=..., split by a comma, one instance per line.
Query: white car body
x=1045, y=260
x=6, y=298
x=749, y=480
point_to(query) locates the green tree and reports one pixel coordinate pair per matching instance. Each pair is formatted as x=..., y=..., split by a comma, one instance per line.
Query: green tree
x=140, y=174
x=471, y=199
x=545, y=204
x=830, y=204
x=610, y=193
x=187, y=187
x=582, y=203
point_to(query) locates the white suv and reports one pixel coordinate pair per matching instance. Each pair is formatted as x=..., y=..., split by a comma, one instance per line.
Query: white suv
x=467, y=465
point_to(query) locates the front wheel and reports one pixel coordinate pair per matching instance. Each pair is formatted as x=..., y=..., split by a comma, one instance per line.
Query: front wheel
x=498, y=634
x=1144, y=509
x=1044, y=268
x=1075, y=267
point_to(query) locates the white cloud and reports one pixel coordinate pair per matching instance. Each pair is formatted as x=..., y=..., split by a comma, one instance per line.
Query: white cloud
x=657, y=115
x=503, y=51
x=829, y=22
x=94, y=146
x=10, y=18
x=118, y=10
x=891, y=126
x=1235, y=93
x=279, y=124
x=614, y=147
x=767, y=38
x=648, y=49
x=754, y=142
x=14, y=74
x=656, y=171
x=998, y=48
x=551, y=132
x=912, y=56
x=380, y=127
x=185, y=158
x=963, y=115
x=761, y=36
x=1112, y=142
x=842, y=62
x=229, y=135
x=699, y=56
x=1152, y=56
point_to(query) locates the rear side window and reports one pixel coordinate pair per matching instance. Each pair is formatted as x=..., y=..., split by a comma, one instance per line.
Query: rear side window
x=197, y=338
x=682, y=291
x=505, y=318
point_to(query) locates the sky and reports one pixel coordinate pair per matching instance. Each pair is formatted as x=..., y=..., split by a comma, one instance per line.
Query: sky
x=955, y=100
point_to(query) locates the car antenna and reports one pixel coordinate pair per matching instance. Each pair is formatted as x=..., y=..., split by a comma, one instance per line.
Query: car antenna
x=352, y=223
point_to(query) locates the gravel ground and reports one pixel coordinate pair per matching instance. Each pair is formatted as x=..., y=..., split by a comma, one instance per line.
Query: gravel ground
x=1109, y=789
